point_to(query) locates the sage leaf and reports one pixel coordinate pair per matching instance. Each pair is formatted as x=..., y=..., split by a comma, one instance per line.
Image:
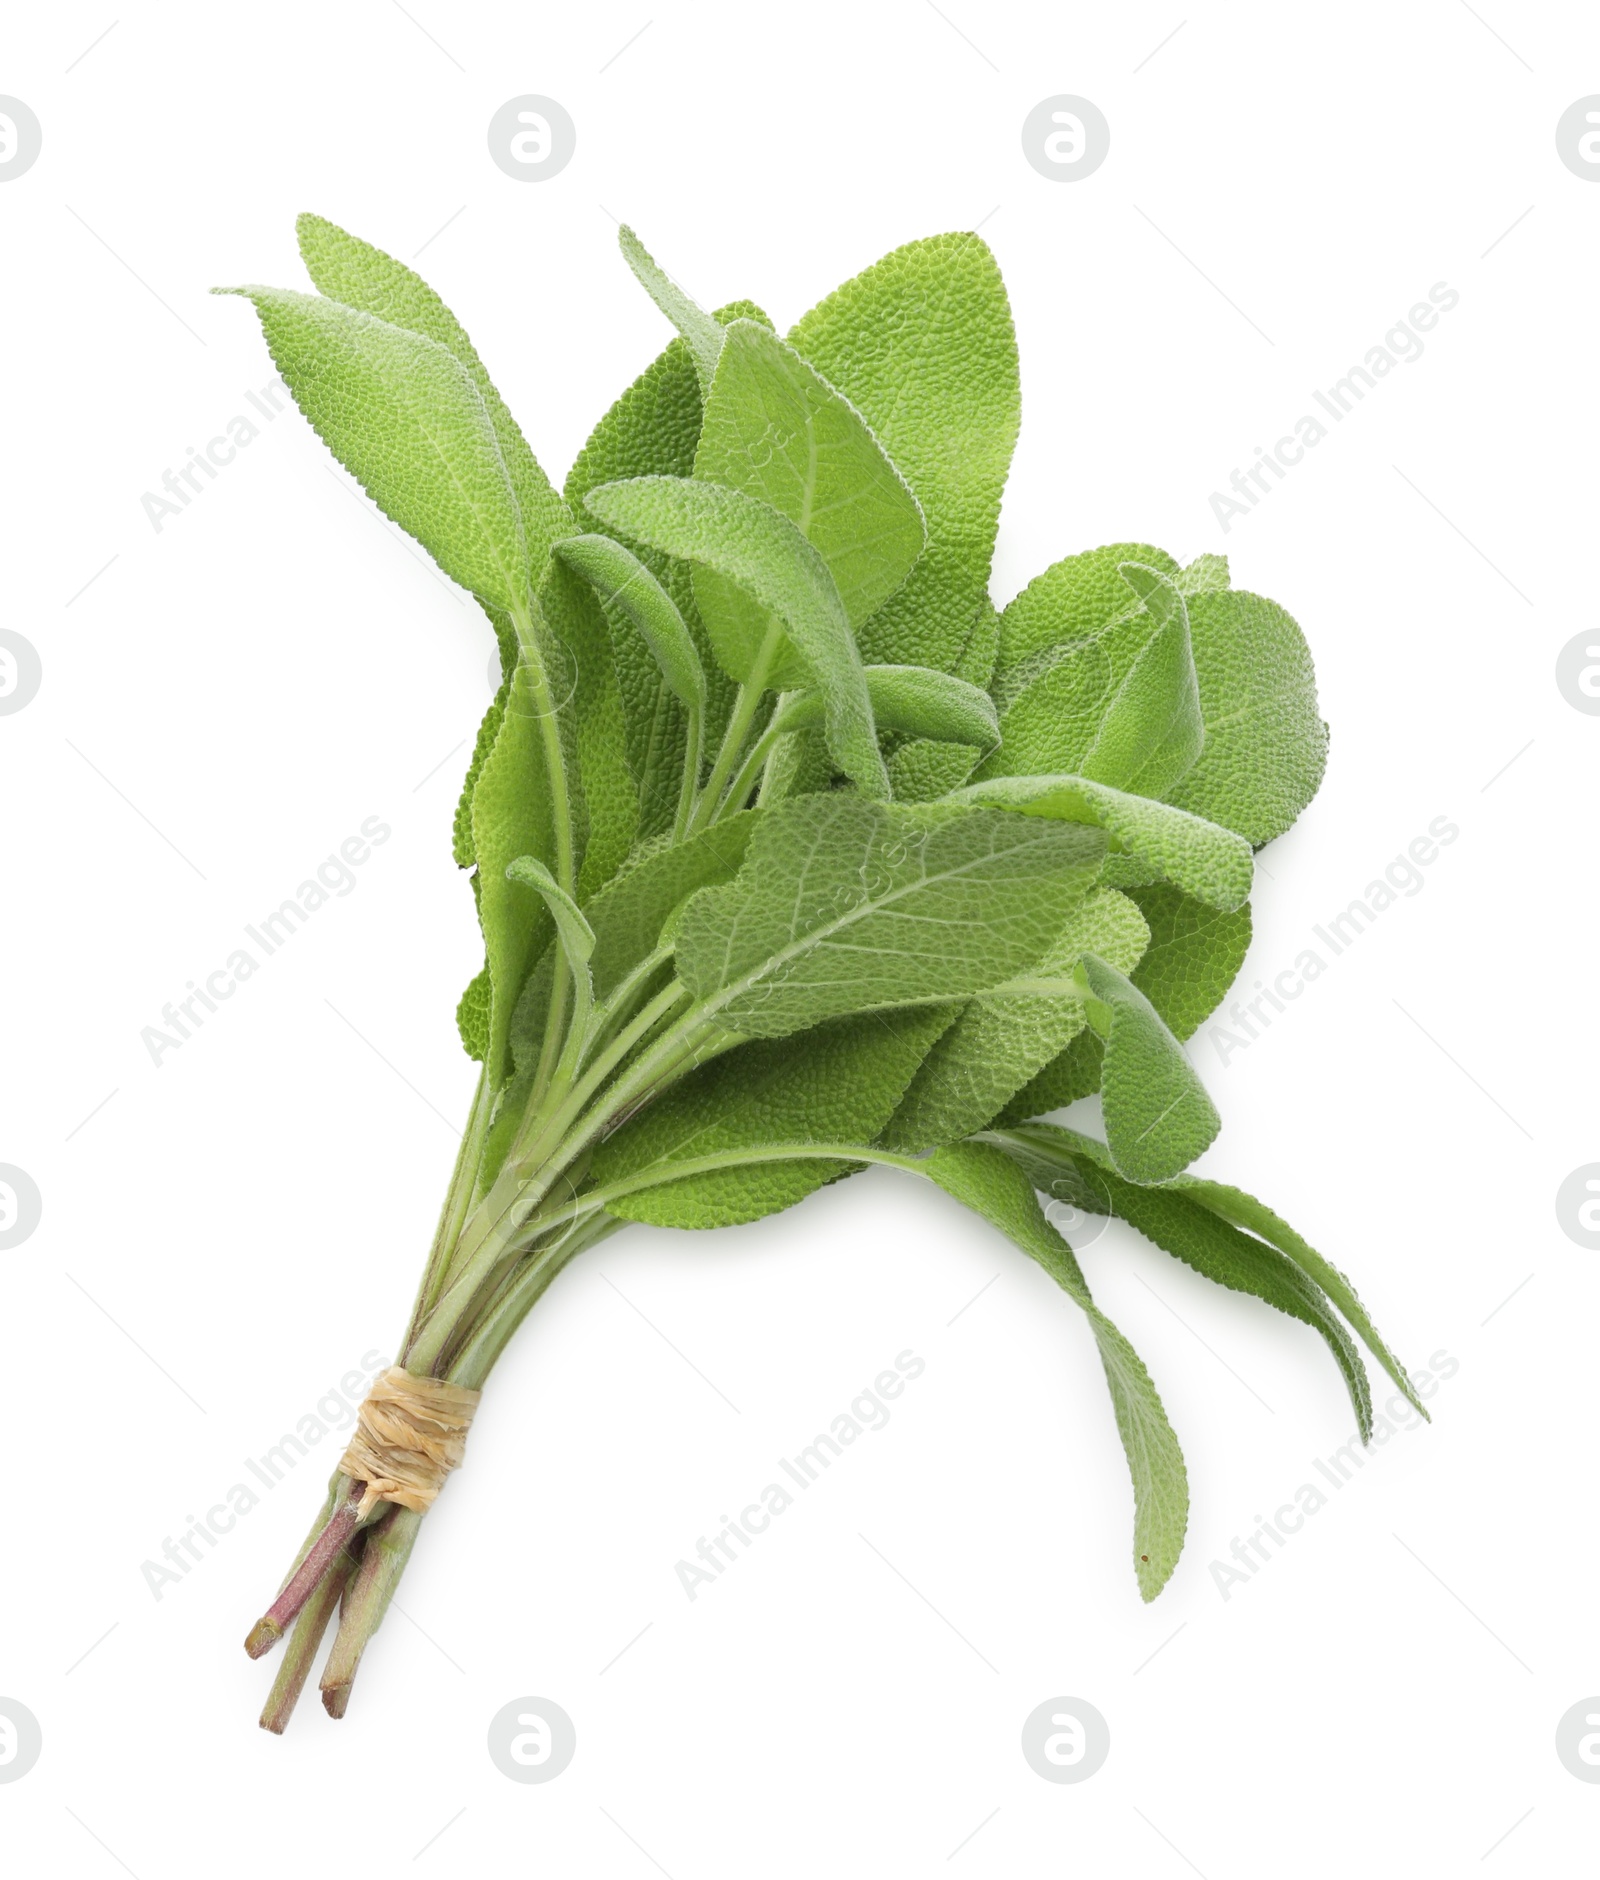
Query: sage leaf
x=1072, y=1074
x=1194, y=955
x=350, y=270
x=777, y=430
x=1061, y=702
x=407, y=420
x=630, y=916
x=845, y=905
x=1075, y=1167
x=511, y=817
x=1072, y=601
x=621, y=579
x=572, y=927
x=623, y=583
x=985, y=1179
x=588, y=710
x=837, y=1083
x=700, y=332
x=1210, y=862
x=472, y=1016
x=750, y=542
x=916, y=700
x=922, y=345
x=1266, y=745
x=1158, y=1117
x=922, y=770
x=1251, y=1216
x=1204, y=575
x=1001, y=1039
x=651, y=430
x=1151, y=732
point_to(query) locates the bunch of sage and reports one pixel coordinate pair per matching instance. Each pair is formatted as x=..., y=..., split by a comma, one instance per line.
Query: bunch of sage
x=767, y=759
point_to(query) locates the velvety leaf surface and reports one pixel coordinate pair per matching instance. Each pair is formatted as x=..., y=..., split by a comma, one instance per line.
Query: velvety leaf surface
x=1194, y=954
x=1003, y=1038
x=921, y=343
x=1211, y=863
x=844, y=905
x=347, y=269
x=777, y=430
x=838, y=1083
x=407, y=420
x=1073, y=600
x=752, y=543
x=1158, y=1117
x=651, y=430
x=1266, y=746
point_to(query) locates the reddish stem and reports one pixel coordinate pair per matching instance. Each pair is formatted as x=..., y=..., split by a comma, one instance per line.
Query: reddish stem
x=301, y=1651
x=306, y=1578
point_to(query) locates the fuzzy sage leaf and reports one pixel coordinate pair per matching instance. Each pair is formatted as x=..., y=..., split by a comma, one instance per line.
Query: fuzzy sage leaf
x=1158, y=1116
x=752, y=543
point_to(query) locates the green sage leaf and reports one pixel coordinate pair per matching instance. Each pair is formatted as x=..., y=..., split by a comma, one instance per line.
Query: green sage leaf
x=1204, y=575
x=1074, y=600
x=1251, y=1216
x=1151, y=732
x=1211, y=863
x=1194, y=955
x=407, y=420
x=700, y=332
x=1075, y=1167
x=844, y=905
x=922, y=345
x=1005, y=1037
x=629, y=917
x=622, y=580
x=916, y=700
x=1266, y=745
x=751, y=543
x=572, y=927
x=778, y=431
x=350, y=270
x=836, y=1083
x=1158, y=1117
x=985, y=1179
x=512, y=817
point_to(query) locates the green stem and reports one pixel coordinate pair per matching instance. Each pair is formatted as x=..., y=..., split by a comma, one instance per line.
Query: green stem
x=457, y=1201
x=554, y=1027
x=383, y=1560
x=755, y=759
x=498, y=1229
x=694, y=751
x=532, y=646
x=528, y=1284
x=532, y=662
x=746, y=703
x=619, y=1002
x=591, y=1084
x=300, y=1654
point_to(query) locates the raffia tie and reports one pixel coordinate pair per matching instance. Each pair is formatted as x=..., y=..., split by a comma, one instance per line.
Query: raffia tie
x=410, y=1433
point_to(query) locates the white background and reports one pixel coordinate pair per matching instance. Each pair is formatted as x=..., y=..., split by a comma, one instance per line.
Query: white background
x=227, y=1234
